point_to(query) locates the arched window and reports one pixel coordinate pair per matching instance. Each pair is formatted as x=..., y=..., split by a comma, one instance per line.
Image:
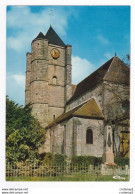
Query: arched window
x=54, y=80
x=89, y=136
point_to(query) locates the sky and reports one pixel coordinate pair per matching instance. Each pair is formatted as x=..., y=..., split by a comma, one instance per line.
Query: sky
x=95, y=33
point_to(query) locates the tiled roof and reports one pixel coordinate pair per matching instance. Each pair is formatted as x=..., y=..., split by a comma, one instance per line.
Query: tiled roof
x=113, y=70
x=92, y=80
x=118, y=72
x=88, y=109
x=53, y=37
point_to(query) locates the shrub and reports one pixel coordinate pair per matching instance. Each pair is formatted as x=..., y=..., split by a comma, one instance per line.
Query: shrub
x=48, y=158
x=59, y=159
x=86, y=160
x=54, y=159
x=121, y=161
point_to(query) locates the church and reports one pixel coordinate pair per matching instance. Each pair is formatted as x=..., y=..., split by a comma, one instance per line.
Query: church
x=90, y=118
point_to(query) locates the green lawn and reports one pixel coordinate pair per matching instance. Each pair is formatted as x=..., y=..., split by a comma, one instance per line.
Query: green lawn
x=66, y=178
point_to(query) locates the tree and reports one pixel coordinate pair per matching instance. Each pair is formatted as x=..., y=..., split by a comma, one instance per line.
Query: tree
x=24, y=135
x=126, y=60
x=117, y=116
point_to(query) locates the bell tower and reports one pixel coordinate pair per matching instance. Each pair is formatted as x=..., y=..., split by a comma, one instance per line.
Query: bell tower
x=48, y=77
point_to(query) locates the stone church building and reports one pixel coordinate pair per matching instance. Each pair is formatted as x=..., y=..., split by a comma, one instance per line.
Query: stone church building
x=90, y=118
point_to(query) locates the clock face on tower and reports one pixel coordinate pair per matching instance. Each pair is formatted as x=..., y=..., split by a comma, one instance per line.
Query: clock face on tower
x=55, y=53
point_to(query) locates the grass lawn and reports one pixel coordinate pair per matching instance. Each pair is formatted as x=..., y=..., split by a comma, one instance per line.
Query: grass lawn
x=67, y=178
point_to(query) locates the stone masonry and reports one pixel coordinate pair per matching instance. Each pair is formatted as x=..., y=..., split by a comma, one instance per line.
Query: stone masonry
x=46, y=97
x=76, y=118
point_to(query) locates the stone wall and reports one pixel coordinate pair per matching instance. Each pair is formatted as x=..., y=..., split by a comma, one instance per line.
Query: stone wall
x=69, y=137
x=81, y=147
x=62, y=137
x=48, y=80
x=96, y=93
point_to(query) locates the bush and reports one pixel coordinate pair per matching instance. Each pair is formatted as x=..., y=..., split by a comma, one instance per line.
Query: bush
x=48, y=158
x=86, y=160
x=24, y=135
x=121, y=161
x=54, y=159
x=59, y=159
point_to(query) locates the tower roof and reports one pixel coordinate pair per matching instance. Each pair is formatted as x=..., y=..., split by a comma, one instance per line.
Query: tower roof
x=40, y=35
x=53, y=37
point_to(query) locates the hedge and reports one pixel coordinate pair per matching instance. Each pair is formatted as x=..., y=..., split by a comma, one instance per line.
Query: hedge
x=121, y=161
x=86, y=160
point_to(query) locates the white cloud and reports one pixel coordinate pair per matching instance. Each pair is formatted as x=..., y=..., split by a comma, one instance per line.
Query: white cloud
x=108, y=55
x=101, y=39
x=81, y=68
x=15, y=43
x=18, y=79
x=27, y=25
x=15, y=86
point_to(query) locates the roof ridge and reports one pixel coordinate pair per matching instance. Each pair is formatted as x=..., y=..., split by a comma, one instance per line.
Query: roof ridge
x=95, y=70
x=109, y=66
x=66, y=113
x=91, y=80
x=81, y=105
x=71, y=113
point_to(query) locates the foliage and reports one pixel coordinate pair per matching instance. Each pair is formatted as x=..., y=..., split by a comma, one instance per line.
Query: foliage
x=59, y=159
x=121, y=161
x=24, y=135
x=116, y=113
x=47, y=158
x=126, y=60
x=54, y=159
x=86, y=160
x=79, y=160
x=17, y=116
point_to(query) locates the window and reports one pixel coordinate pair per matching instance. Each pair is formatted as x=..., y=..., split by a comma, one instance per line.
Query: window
x=54, y=80
x=53, y=117
x=89, y=136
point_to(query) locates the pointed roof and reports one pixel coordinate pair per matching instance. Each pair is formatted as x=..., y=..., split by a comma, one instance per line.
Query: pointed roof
x=39, y=36
x=88, y=109
x=53, y=37
x=108, y=71
x=118, y=72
